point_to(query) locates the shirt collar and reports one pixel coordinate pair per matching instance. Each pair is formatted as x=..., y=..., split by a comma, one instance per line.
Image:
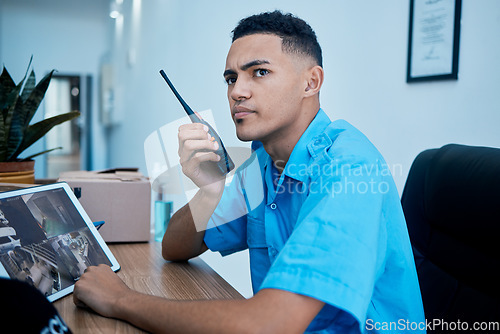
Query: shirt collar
x=298, y=162
x=300, y=157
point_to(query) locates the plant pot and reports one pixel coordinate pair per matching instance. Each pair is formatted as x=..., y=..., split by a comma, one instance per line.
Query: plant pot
x=17, y=172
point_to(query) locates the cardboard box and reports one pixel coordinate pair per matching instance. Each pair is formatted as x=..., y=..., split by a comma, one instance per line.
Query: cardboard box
x=120, y=197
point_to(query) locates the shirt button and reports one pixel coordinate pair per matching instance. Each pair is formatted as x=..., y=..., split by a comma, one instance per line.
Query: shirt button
x=273, y=206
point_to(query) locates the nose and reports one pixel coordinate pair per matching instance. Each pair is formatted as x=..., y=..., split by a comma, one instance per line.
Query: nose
x=240, y=90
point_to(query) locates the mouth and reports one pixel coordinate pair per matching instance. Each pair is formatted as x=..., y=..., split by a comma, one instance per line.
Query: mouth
x=240, y=112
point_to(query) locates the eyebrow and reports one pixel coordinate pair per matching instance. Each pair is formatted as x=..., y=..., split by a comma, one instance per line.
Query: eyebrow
x=246, y=66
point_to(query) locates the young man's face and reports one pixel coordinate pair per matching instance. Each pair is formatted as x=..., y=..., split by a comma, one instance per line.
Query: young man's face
x=265, y=88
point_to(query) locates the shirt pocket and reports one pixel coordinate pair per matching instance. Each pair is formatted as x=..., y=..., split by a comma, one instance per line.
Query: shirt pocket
x=256, y=233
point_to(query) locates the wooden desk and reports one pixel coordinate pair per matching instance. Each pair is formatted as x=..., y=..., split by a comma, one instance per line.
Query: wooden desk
x=144, y=270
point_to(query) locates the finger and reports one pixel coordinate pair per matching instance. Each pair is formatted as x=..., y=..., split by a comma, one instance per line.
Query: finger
x=197, y=114
x=192, y=134
x=76, y=293
x=79, y=303
x=193, y=162
x=205, y=156
x=194, y=146
x=193, y=127
x=102, y=265
x=191, y=147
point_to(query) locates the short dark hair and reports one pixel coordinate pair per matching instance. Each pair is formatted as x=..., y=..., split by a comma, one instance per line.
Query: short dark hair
x=296, y=35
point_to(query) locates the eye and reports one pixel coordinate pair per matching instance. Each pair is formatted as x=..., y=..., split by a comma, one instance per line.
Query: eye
x=261, y=72
x=230, y=80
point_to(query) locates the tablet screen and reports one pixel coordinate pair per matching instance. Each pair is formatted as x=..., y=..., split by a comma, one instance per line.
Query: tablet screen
x=47, y=239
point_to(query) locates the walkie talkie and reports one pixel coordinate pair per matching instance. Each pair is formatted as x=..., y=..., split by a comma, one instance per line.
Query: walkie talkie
x=225, y=164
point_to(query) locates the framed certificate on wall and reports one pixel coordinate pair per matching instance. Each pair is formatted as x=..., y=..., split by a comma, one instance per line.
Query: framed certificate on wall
x=433, y=43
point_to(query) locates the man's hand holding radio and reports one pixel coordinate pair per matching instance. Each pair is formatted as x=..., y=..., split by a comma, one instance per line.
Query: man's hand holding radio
x=197, y=158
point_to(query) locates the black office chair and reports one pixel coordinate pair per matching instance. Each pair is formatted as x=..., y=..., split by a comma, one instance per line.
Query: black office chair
x=451, y=202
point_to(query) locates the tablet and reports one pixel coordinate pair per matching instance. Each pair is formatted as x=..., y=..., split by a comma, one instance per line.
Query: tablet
x=47, y=239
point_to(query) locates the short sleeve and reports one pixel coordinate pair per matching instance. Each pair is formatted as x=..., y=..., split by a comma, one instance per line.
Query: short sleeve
x=334, y=252
x=226, y=229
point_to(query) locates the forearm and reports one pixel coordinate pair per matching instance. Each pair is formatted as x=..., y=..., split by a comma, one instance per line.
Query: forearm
x=186, y=229
x=270, y=311
x=157, y=315
x=184, y=236
x=101, y=290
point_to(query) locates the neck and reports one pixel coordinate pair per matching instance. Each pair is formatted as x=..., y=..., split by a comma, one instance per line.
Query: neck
x=280, y=147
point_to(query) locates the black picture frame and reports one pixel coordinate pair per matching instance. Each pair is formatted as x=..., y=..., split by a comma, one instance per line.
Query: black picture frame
x=434, y=38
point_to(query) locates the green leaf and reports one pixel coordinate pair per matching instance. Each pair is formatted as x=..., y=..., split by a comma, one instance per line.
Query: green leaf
x=29, y=86
x=15, y=133
x=43, y=152
x=6, y=86
x=3, y=143
x=7, y=117
x=22, y=114
x=33, y=101
x=10, y=106
x=9, y=93
x=18, y=105
x=38, y=130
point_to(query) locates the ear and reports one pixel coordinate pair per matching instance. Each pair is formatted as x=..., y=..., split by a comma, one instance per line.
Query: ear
x=315, y=77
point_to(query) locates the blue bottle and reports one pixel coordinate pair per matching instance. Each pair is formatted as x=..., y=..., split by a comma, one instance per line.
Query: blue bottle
x=163, y=211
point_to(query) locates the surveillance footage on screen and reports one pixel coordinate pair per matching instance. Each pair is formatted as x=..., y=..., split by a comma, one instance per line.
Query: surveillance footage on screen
x=45, y=242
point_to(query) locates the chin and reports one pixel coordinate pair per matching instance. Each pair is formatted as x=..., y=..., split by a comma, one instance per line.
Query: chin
x=244, y=137
x=249, y=131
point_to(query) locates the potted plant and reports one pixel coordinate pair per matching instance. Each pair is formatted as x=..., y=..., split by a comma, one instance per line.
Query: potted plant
x=18, y=105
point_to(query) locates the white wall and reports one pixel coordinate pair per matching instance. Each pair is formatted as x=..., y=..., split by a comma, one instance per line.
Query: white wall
x=365, y=50
x=67, y=35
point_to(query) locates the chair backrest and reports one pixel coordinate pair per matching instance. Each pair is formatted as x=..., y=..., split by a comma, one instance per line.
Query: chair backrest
x=451, y=202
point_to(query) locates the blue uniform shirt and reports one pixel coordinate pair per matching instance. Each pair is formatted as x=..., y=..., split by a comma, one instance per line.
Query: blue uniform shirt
x=330, y=227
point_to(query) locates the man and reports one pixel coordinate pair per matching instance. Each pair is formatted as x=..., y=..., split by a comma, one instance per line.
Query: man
x=329, y=250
